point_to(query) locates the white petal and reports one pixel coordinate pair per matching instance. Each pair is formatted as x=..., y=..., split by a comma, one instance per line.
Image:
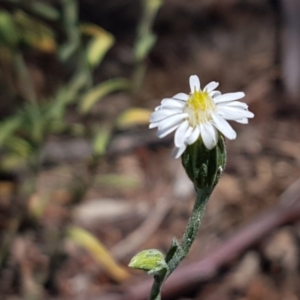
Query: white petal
x=223, y=126
x=215, y=94
x=153, y=125
x=188, y=132
x=162, y=114
x=229, y=116
x=172, y=103
x=172, y=120
x=161, y=133
x=209, y=136
x=234, y=104
x=242, y=121
x=177, y=152
x=180, y=134
x=157, y=108
x=194, y=83
x=194, y=136
x=211, y=86
x=233, y=111
x=181, y=96
x=229, y=97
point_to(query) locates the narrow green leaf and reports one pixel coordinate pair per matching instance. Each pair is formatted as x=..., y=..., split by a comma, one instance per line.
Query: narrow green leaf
x=143, y=47
x=70, y=11
x=101, y=140
x=35, y=33
x=43, y=10
x=68, y=48
x=8, y=127
x=24, y=78
x=97, y=49
x=70, y=21
x=88, y=241
x=101, y=90
x=8, y=31
x=101, y=42
x=19, y=146
x=133, y=117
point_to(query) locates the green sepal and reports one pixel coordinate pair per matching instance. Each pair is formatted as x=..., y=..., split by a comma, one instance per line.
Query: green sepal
x=151, y=261
x=204, y=167
x=173, y=249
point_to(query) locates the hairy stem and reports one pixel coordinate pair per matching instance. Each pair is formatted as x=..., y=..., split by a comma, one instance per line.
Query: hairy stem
x=178, y=252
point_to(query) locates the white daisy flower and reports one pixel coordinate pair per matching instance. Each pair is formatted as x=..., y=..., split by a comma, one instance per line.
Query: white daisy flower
x=202, y=113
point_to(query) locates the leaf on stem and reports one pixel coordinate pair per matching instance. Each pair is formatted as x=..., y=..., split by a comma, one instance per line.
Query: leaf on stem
x=151, y=261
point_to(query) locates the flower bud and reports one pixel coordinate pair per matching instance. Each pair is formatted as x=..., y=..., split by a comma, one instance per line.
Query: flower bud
x=151, y=261
x=204, y=167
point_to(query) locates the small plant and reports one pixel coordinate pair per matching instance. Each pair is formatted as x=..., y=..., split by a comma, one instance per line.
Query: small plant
x=199, y=122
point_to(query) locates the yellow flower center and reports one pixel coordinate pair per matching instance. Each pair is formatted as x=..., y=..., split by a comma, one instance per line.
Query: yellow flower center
x=199, y=107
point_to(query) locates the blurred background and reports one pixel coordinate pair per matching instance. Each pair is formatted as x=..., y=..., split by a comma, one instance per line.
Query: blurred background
x=85, y=185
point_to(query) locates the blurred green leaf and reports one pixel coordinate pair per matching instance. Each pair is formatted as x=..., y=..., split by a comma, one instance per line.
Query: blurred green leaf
x=43, y=10
x=35, y=33
x=79, y=81
x=143, y=46
x=8, y=127
x=133, y=117
x=101, y=42
x=33, y=122
x=118, y=181
x=77, y=129
x=145, y=40
x=154, y=5
x=55, y=110
x=101, y=255
x=99, y=91
x=70, y=12
x=68, y=48
x=70, y=91
x=24, y=77
x=11, y=161
x=8, y=32
x=55, y=127
x=19, y=146
x=70, y=22
x=97, y=49
x=101, y=140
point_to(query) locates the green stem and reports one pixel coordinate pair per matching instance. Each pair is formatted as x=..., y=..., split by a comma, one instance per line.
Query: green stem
x=178, y=252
